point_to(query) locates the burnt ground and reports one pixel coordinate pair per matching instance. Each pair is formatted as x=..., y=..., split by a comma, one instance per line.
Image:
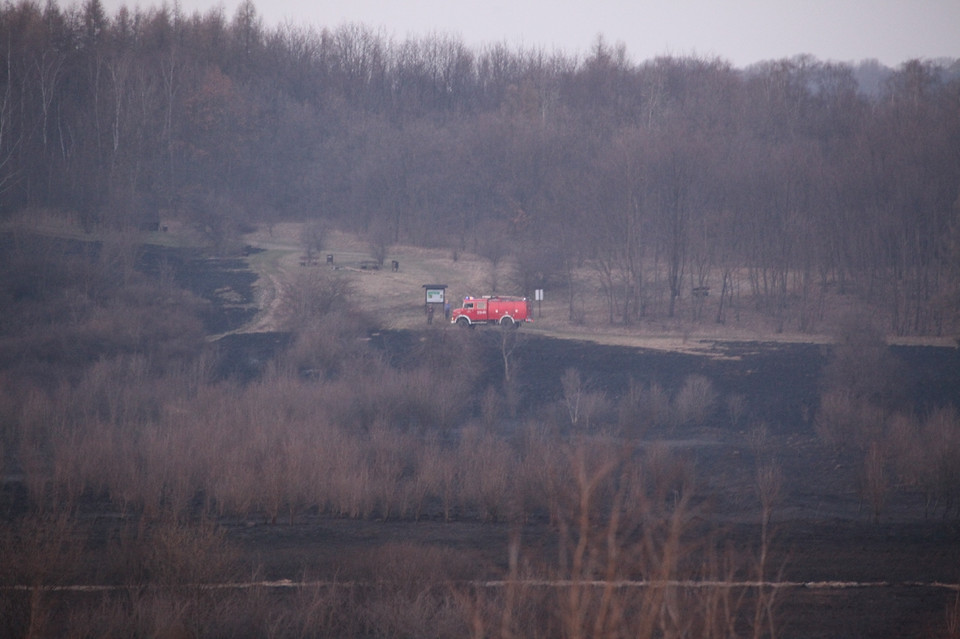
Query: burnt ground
x=820, y=532
x=890, y=568
x=226, y=282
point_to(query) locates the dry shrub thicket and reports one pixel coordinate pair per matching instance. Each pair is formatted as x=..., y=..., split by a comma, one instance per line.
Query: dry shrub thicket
x=171, y=457
x=622, y=515
x=860, y=416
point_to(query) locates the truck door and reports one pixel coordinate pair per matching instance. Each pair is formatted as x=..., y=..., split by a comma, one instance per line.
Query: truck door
x=481, y=310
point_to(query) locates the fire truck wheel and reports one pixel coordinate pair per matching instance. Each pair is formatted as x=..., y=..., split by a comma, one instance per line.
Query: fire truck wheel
x=463, y=321
x=507, y=321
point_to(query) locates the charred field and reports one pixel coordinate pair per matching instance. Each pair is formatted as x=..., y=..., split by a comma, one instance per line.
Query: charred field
x=445, y=480
x=845, y=574
x=850, y=575
x=884, y=572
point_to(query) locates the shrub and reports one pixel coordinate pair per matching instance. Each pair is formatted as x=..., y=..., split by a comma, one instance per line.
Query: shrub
x=758, y=438
x=648, y=407
x=736, y=409
x=314, y=294
x=328, y=347
x=695, y=401
x=873, y=479
x=941, y=442
x=769, y=484
x=846, y=420
x=860, y=363
x=487, y=467
x=906, y=447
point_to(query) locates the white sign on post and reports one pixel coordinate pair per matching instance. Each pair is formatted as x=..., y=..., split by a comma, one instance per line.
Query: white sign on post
x=538, y=295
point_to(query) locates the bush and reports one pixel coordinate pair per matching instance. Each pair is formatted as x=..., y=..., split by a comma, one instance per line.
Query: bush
x=313, y=295
x=695, y=401
x=642, y=408
x=873, y=479
x=860, y=363
x=846, y=420
x=941, y=443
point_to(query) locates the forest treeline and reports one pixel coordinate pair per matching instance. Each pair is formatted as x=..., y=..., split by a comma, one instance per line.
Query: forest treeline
x=664, y=176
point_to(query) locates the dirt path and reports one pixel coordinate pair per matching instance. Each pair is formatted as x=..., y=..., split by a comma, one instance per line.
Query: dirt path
x=274, y=266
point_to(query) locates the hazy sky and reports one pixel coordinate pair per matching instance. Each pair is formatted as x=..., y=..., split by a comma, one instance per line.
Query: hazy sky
x=740, y=31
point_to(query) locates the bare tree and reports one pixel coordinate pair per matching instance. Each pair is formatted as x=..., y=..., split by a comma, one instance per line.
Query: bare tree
x=313, y=238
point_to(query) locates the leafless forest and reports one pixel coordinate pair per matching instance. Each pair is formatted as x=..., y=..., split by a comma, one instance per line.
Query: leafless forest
x=664, y=174
x=145, y=494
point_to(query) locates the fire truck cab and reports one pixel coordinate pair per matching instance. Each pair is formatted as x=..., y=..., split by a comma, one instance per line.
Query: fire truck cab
x=490, y=309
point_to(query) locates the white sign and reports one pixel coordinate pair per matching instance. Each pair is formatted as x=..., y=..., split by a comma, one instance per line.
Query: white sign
x=538, y=295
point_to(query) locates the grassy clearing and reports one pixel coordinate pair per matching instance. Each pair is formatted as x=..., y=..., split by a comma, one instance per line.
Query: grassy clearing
x=395, y=298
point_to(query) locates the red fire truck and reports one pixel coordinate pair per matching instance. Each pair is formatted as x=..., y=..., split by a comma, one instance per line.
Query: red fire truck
x=492, y=309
